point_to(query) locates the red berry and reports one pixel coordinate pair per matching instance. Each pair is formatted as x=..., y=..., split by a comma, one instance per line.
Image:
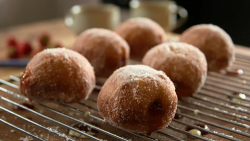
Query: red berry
x=24, y=48
x=11, y=42
x=12, y=52
x=44, y=39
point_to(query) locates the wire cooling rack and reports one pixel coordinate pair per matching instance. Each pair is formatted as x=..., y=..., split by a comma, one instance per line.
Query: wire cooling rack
x=220, y=111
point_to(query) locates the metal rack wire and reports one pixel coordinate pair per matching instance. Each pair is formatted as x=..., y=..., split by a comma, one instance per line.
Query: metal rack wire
x=215, y=105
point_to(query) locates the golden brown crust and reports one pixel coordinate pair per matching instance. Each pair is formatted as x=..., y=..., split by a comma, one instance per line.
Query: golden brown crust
x=141, y=35
x=184, y=64
x=58, y=75
x=105, y=50
x=138, y=98
x=214, y=42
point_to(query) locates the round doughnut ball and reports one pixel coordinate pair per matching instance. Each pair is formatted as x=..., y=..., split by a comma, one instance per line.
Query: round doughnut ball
x=58, y=75
x=184, y=64
x=141, y=35
x=105, y=50
x=138, y=98
x=214, y=42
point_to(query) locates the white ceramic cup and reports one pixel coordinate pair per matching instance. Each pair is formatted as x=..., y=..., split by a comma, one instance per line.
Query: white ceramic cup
x=164, y=12
x=82, y=17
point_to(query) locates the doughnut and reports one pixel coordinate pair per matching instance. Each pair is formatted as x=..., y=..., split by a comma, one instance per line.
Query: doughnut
x=138, y=98
x=141, y=35
x=184, y=64
x=57, y=75
x=105, y=50
x=214, y=42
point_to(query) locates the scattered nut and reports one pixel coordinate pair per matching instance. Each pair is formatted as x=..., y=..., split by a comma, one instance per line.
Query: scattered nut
x=195, y=132
x=87, y=114
x=243, y=82
x=196, y=112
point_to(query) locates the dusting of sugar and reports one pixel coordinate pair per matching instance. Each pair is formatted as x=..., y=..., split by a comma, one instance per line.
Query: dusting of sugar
x=95, y=44
x=27, y=138
x=134, y=91
x=183, y=59
x=3, y=117
x=215, y=43
x=72, y=64
x=58, y=133
x=223, y=134
x=12, y=131
x=41, y=135
x=66, y=56
x=135, y=72
x=132, y=79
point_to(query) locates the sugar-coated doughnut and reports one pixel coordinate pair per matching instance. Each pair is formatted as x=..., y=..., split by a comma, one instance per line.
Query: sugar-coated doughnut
x=184, y=64
x=138, y=98
x=105, y=50
x=214, y=42
x=58, y=75
x=141, y=35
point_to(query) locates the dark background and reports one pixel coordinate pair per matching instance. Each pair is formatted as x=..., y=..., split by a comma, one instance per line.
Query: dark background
x=231, y=15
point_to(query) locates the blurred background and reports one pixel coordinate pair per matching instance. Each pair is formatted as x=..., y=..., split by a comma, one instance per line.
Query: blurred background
x=231, y=15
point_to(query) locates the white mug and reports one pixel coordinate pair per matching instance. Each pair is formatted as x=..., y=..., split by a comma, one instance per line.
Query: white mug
x=164, y=12
x=81, y=17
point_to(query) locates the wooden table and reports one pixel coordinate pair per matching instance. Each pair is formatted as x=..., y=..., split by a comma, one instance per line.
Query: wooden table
x=60, y=32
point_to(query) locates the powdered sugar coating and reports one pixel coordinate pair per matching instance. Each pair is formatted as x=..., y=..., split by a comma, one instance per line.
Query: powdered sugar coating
x=214, y=42
x=141, y=35
x=104, y=49
x=138, y=98
x=184, y=64
x=59, y=75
